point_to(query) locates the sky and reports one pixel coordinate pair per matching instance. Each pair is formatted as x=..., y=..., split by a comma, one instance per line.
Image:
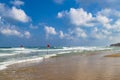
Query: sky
x=59, y=22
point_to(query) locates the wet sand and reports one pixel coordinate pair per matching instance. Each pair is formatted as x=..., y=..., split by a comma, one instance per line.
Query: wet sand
x=113, y=55
x=70, y=67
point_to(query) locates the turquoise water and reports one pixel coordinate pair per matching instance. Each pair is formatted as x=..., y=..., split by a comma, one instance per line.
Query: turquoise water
x=10, y=56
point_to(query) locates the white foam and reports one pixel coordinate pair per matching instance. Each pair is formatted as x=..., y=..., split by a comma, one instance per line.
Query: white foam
x=64, y=52
x=4, y=65
x=85, y=48
x=51, y=55
x=7, y=54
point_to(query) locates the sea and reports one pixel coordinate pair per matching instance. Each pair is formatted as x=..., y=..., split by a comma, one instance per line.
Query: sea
x=9, y=56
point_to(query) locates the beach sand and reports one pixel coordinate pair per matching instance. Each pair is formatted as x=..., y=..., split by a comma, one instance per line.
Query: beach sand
x=69, y=67
x=113, y=55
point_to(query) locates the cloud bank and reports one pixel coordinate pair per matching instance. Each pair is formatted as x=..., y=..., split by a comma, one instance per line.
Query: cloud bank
x=7, y=28
x=103, y=25
x=13, y=13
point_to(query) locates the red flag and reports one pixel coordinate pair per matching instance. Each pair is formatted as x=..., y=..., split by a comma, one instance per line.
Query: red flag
x=48, y=45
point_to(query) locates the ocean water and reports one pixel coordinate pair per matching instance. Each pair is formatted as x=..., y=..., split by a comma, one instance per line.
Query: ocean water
x=9, y=56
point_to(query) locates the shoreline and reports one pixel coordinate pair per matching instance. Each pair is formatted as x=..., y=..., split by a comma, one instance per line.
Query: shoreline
x=71, y=67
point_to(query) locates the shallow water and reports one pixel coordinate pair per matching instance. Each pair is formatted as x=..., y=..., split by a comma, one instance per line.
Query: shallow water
x=71, y=67
x=89, y=67
x=100, y=68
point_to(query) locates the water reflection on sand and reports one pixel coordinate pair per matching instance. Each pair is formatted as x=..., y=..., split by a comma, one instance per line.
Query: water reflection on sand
x=74, y=67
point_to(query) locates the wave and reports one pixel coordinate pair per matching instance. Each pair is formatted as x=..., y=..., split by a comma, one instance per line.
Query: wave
x=21, y=55
x=87, y=48
x=7, y=54
x=5, y=65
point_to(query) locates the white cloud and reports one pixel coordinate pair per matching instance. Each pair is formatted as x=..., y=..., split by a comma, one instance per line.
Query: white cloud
x=13, y=13
x=17, y=2
x=116, y=25
x=80, y=33
x=15, y=32
x=78, y=17
x=50, y=30
x=105, y=25
x=100, y=34
x=74, y=34
x=18, y=14
x=109, y=13
x=96, y=33
x=7, y=28
x=106, y=32
x=104, y=21
x=27, y=34
x=10, y=32
x=60, y=15
x=61, y=34
x=109, y=18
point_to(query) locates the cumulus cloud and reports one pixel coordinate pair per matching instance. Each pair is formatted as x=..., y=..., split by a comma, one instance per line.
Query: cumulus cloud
x=108, y=12
x=104, y=21
x=80, y=33
x=8, y=29
x=116, y=26
x=17, y=2
x=109, y=18
x=98, y=34
x=50, y=30
x=18, y=14
x=14, y=32
x=76, y=33
x=13, y=13
x=73, y=34
x=105, y=24
x=11, y=32
x=78, y=17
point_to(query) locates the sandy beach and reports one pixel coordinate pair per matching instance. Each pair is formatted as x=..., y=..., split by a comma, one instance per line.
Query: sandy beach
x=113, y=55
x=68, y=67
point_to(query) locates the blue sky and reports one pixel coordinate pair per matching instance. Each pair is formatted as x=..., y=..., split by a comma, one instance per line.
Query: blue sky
x=59, y=22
